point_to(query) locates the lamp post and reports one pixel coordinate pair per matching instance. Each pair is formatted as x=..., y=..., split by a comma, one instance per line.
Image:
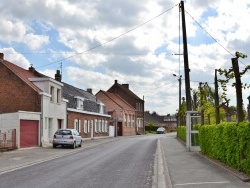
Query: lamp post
x=179, y=79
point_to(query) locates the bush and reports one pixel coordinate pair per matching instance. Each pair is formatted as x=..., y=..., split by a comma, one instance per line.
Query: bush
x=181, y=133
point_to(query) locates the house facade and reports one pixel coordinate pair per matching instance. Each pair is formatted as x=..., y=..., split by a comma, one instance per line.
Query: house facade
x=123, y=114
x=31, y=103
x=85, y=112
x=169, y=122
x=132, y=99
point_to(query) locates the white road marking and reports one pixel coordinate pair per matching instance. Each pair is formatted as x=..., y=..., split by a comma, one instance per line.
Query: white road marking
x=201, y=183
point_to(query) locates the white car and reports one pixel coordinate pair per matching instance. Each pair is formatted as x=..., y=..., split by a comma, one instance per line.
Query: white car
x=67, y=137
x=160, y=130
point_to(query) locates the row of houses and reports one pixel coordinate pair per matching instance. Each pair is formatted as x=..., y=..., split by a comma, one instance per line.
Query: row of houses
x=169, y=122
x=36, y=106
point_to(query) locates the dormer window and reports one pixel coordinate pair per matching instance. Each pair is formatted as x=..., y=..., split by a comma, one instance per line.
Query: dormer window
x=102, y=108
x=79, y=103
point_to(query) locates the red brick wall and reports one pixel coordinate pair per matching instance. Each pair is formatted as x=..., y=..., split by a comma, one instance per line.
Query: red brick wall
x=75, y=115
x=15, y=94
x=110, y=105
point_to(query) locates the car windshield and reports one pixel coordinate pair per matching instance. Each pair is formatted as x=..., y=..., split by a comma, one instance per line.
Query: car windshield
x=63, y=132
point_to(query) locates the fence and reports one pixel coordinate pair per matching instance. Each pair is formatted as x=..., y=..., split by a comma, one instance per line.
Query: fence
x=8, y=139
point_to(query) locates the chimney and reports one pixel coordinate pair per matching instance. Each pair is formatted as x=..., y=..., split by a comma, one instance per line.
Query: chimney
x=32, y=69
x=116, y=82
x=58, y=76
x=1, y=56
x=89, y=90
x=126, y=85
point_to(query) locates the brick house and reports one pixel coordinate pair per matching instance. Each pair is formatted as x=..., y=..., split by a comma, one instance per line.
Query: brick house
x=85, y=112
x=31, y=103
x=126, y=94
x=123, y=114
x=169, y=122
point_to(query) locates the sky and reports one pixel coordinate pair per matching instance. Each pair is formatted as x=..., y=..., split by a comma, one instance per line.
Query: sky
x=95, y=42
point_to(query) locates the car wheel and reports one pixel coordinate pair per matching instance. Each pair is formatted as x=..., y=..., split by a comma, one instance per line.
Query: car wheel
x=54, y=145
x=74, y=145
x=80, y=145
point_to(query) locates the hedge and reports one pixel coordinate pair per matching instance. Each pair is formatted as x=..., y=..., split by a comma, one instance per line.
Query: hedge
x=227, y=142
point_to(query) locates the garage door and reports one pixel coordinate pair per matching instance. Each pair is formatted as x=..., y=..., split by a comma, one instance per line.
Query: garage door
x=28, y=133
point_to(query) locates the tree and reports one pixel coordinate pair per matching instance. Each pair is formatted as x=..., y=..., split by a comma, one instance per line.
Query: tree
x=235, y=73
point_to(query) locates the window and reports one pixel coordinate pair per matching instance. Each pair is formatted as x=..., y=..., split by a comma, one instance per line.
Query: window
x=77, y=124
x=125, y=119
x=96, y=130
x=133, y=120
x=88, y=122
x=52, y=93
x=79, y=104
x=129, y=118
x=100, y=126
x=106, y=126
x=58, y=96
x=103, y=126
x=85, y=126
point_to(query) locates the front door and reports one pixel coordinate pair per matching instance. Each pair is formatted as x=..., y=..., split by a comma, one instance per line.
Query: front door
x=119, y=128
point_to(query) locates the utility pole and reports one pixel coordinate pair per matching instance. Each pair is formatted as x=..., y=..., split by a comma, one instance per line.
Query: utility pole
x=185, y=54
x=216, y=98
x=179, y=113
x=248, y=108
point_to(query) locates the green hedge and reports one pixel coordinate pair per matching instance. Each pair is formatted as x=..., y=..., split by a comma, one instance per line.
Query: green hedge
x=227, y=142
x=151, y=128
x=181, y=133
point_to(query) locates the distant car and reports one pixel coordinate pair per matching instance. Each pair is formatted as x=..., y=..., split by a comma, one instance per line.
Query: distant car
x=67, y=137
x=160, y=130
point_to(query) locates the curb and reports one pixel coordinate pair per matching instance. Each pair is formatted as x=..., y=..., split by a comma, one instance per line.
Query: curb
x=165, y=168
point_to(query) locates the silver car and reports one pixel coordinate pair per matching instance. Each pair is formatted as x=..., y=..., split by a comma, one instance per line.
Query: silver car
x=67, y=137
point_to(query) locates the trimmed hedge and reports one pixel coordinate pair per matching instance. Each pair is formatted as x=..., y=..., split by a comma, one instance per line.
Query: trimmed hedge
x=151, y=128
x=181, y=133
x=228, y=142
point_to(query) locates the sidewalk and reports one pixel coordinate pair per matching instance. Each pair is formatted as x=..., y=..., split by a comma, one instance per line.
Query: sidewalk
x=191, y=169
x=20, y=158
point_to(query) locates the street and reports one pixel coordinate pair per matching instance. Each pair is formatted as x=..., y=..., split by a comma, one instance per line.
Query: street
x=122, y=163
x=149, y=161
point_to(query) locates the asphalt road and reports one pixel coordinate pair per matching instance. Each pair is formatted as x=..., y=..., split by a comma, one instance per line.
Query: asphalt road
x=121, y=164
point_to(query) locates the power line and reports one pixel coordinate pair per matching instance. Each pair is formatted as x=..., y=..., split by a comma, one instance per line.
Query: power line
x=212, y=36
x=119, y=36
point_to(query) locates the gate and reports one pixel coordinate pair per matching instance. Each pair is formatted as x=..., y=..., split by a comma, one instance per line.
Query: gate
x=8, y=140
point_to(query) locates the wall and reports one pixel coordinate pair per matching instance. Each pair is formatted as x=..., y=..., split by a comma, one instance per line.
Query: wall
x=52, y=112
x=12, y=121
x=15, y=94
x=73, y=115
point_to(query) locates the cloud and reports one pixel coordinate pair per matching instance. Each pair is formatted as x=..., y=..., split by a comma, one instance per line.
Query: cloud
x=11, y=55
x=96, y=43
x=35, y=41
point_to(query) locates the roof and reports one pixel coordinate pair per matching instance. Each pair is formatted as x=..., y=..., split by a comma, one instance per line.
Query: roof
x=24, y=74
x=90, y=102
x=124, y=89
x=158, y=119
x=118, y=100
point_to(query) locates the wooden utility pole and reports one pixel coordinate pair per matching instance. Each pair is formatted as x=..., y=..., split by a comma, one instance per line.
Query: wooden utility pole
x=185, y=54
x=216, y=99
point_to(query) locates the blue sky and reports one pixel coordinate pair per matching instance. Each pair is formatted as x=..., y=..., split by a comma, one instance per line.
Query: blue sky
x=62, y=32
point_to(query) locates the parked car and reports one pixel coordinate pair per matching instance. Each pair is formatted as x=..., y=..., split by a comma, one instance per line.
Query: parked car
x=67, y=137
x=160, y=130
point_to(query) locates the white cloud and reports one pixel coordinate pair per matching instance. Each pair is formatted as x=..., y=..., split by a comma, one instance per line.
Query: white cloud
x=35, y=41
x=11, y=55
x=142, y=58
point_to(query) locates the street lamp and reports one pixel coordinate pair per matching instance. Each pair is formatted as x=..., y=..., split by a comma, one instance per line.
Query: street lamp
x=179, y=79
